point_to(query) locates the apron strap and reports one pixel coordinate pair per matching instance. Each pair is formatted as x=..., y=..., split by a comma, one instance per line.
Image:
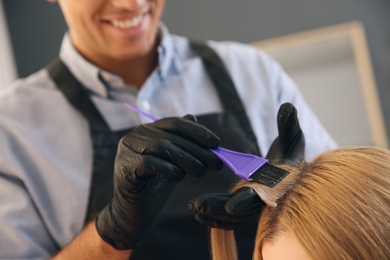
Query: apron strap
x=227, y=92
x=104, y=141
x=75, y=93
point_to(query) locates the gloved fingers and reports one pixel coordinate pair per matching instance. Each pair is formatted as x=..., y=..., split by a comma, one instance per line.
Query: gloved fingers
x=210, y=210
x=289, y=146
x=288, y=124
x=216, y=165
x=144, y=167
x=208, y=159
x=244, y=202
x=191, y=118
x=173, y=148
x=214, y=210
x=222, y=223
x=140, y=153
x=188, y=129
x=209, y=203
x=223, y=217
x=187, y=161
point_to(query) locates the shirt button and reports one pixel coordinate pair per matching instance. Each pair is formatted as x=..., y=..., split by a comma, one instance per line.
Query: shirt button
x=102, y=90
x=105, y=75
x=146, y=105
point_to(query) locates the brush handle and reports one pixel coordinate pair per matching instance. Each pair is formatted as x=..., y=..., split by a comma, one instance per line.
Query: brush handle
x=235, y=159
x=242, y=164
x=139, y=111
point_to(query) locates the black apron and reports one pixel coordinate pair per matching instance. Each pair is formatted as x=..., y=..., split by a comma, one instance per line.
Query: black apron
x=175, y=234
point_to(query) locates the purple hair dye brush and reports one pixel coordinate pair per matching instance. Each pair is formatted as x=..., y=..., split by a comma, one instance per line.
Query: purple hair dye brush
x=246, y=166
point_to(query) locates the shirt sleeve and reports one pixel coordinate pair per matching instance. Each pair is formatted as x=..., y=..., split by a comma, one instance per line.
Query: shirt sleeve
x=22, y=232
x=42, y=195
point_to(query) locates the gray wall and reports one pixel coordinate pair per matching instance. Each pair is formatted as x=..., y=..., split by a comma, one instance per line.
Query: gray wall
x=37, y=27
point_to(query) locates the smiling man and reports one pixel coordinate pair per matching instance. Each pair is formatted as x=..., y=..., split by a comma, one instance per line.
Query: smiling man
x=119, y=37
x=82, y=177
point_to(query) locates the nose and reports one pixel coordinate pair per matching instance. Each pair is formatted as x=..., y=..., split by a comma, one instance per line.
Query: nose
x=131, y=5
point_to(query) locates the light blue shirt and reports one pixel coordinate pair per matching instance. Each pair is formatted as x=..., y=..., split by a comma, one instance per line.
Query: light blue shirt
x=46, y=150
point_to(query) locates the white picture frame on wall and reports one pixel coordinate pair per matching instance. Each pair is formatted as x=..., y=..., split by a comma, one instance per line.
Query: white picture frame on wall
x=332, y=68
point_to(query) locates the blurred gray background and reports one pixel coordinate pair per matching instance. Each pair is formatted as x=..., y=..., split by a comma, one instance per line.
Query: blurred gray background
x=36, y=27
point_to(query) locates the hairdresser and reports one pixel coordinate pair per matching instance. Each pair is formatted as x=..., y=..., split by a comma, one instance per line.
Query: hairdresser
x=68, y=190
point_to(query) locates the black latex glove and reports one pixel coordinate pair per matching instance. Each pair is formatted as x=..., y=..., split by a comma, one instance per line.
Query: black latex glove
x=149, y=161
x=232, y=211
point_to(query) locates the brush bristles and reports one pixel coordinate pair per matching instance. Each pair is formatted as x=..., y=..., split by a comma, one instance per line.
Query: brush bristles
x=269, y=175
x=270, y=195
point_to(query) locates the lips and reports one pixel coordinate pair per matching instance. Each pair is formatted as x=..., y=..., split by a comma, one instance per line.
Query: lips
x=127, y=23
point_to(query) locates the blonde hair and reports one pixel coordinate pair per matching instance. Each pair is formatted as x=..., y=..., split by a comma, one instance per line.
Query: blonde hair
x=338, y=207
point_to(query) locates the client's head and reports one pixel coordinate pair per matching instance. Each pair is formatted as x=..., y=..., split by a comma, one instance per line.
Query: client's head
x=335, y=207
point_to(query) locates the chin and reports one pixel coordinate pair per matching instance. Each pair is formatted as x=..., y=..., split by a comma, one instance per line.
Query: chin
x=127, y=56
x=134, y=53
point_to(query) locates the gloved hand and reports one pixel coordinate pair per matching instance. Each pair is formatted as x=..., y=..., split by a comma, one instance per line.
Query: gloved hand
x=149, y=161
x=232, y=211
x=289, y=146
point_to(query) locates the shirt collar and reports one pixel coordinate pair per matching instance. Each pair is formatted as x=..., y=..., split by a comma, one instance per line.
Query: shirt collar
x=98, y=80
x=166, y=51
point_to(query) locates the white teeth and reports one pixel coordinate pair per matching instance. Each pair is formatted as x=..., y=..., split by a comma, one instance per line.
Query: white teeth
x=125, y=24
